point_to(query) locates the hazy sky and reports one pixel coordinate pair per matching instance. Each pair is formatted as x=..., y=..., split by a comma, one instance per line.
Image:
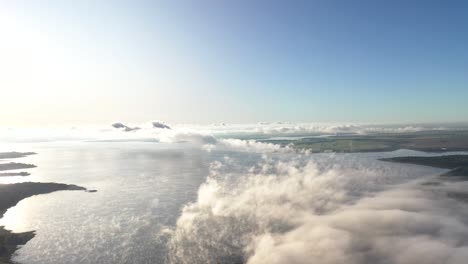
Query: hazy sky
x=71, y=62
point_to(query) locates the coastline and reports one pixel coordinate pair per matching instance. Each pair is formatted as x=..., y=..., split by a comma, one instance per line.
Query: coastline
x=434, y=142
x=457, y=164
x=11, y=194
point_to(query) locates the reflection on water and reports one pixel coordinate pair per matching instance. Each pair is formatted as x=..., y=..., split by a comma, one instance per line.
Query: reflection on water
x=142, y=188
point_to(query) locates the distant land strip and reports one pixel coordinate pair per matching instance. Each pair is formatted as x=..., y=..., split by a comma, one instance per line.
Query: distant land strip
x=10, y=174
x=457, y=163
x=15, y=166
x=14, y=154
x=434, y=141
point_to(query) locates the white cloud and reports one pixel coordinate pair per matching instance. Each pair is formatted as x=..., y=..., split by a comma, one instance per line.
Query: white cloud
x=321, y=209
x=176, y=133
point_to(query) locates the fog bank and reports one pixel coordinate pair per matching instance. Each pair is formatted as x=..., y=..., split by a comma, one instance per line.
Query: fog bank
x=301, y=208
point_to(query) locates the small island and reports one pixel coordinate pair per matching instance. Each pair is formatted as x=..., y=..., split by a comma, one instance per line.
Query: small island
x=15, y=165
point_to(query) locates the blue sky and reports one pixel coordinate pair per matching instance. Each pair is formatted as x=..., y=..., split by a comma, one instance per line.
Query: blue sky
x=71, y=62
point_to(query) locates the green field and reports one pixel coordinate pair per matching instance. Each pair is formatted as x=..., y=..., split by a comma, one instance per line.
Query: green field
x=432, y=141
x=458, y=163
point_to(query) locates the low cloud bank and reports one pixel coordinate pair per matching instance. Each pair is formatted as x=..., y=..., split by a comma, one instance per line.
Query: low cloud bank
x=266, y=130
x=301, y=208
x=160, y=131
x=124, y=127
x=157, y=124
